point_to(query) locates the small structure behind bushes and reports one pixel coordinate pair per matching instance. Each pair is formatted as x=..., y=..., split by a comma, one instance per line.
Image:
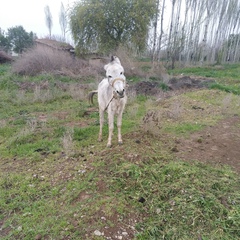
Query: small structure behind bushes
x=57, y=45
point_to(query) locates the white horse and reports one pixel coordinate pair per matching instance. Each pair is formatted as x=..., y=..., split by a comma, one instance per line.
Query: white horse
x=111, y=98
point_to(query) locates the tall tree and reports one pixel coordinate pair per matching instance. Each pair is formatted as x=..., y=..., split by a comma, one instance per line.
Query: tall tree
x=155, y=29
x=63, y=20
x=48, y=19
x=104, y=25
x=4, y=41
x=20, y=39
x=161, y=31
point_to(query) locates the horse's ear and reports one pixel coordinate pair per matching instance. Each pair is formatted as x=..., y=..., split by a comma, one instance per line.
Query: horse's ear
x=112, y=58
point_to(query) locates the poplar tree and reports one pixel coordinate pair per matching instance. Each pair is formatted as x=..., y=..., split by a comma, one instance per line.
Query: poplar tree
x=63, y=20
x=48, y=19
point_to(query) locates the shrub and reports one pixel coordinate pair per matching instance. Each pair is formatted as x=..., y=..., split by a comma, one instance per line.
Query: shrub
x=42, y=59
x=4, y=57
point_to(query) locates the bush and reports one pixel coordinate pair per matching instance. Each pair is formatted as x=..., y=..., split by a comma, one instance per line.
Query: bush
x=42, y=59
x=4, y=57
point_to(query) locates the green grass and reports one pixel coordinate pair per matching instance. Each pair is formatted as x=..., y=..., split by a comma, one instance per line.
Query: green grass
x=184, y=128
x=58, y=182
x=228, y=71
x=230, y=89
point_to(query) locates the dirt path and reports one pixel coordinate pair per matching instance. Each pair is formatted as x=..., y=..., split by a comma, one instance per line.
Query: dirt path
x=219, y=144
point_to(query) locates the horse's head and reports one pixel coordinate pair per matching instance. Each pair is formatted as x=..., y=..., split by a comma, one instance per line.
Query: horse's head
x=116, y=78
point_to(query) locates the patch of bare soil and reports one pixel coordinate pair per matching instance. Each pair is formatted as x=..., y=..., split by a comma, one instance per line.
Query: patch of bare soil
x=187, y=82
x=219, y=144
x=176, y=85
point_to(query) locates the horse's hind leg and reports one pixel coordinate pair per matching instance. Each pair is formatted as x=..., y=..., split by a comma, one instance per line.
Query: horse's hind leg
x=101, y=120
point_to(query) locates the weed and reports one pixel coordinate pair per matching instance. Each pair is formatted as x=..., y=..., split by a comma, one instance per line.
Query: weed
x=164, y=87
x=67, y=141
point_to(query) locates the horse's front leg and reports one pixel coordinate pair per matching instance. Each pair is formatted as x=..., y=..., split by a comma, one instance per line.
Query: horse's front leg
x=101, y=120
x=110, y=127
x=119, y=125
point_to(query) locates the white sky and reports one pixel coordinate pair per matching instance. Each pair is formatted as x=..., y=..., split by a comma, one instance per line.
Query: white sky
x=30, y=14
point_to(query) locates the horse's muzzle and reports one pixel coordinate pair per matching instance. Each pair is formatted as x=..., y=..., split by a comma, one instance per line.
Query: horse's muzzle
x=120, y=94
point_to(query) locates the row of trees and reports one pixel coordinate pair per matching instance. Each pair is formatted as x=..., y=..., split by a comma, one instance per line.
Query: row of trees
x=198, y=31
x=188, y=31
x=63, y=21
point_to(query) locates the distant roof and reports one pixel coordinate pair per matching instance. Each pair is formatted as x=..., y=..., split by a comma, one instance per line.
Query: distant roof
x=54, y=44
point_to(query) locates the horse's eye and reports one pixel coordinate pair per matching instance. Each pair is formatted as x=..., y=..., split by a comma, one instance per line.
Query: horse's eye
x=109, y=76
x=121, y=73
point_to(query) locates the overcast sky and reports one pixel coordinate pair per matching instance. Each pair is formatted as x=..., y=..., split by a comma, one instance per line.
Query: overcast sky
x=30, y=14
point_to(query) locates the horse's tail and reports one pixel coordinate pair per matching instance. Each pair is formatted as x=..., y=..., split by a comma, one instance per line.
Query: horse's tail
x=90, y=96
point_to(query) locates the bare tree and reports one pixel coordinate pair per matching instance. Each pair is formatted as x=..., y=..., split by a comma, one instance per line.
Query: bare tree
x=199, y=31
x=161, y=31
x=155, y=28
x=48, y=19
x=63, y=20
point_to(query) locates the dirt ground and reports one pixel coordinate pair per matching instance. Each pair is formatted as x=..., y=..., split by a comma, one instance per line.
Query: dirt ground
x=219, y=144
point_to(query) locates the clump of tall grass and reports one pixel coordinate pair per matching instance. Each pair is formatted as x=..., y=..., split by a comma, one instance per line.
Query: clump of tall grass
x=67, y=141
x=42, y=59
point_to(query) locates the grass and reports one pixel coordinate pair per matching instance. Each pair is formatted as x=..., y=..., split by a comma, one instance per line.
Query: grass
x=230, y=89
x=58, y=182
x=227, y=71
x=226, y=76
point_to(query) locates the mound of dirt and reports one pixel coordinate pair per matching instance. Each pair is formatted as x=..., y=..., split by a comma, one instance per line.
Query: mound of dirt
x=187, y=82
x=174, y=84
x=146, y=88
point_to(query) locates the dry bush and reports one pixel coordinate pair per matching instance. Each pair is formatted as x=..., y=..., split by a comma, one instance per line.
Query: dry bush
x=4, y=57
x=42, y=59
x=134, y=68
x=127, y=61
x=67, y=141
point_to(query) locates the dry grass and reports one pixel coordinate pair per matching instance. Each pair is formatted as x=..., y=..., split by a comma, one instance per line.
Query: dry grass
x=42, y=59
x=4, y=57
x=67, y=141
x=126, y=60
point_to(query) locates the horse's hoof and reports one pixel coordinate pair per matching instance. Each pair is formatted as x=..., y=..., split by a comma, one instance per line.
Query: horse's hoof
x=120, y=142
x=109, y=145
